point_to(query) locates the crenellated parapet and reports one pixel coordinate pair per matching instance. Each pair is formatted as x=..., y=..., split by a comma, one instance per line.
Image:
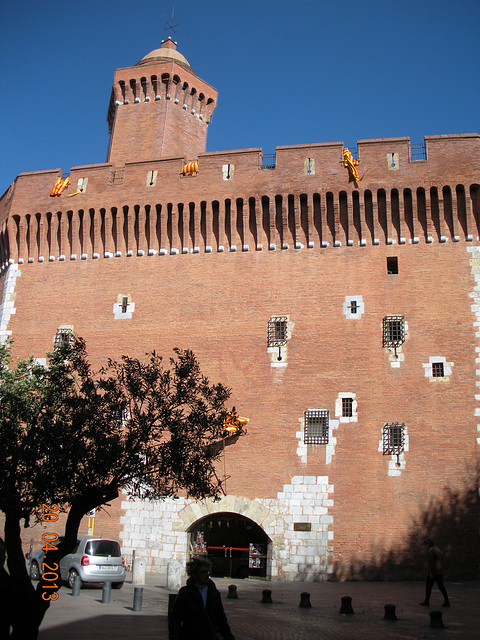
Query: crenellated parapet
x=308, y=201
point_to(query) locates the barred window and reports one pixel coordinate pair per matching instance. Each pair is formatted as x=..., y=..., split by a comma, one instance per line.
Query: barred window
x=347, y=407
x=316, y=426
x=63, y=335
x=120, y=415
x=437, y=370
x=393, y=331
x=393, y=438
x=353, y=306
x=277, y=331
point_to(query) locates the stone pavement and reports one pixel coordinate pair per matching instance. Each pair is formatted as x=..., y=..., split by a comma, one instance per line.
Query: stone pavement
x=85, y=617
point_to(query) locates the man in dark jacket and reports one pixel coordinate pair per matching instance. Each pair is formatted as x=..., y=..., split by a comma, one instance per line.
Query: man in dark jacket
x=435, y=573
x=197, y=612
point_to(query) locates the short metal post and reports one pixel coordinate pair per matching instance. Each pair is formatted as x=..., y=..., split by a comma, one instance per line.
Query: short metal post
x=305, y=600
x=266, y=596
x=232, y=592
x=171, y=600
x=346, y=607
x=76, y=586
x=106, y=592
x=133, y=559
x=390, y=612
x=137, y=598
x=436, y=620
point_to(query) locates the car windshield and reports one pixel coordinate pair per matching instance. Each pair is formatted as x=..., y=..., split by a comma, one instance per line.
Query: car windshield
x=102, y=548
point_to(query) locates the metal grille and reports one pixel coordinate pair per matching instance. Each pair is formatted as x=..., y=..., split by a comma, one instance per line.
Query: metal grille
x=277, y=331
x=269, y=161
x=316, y=426
x=393, y=438
x=393, y=331
x=347, y=407
x=437, y=370
x=63, y=336
x=418, y=152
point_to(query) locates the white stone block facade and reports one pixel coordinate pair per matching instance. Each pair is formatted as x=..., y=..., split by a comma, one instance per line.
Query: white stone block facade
x=158, y=531
x=7, y=306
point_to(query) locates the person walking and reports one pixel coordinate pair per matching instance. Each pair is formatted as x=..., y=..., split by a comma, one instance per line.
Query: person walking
x=435, y=573
x=197, y=611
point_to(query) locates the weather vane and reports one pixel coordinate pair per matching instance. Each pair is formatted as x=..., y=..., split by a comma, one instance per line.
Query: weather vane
x=171, y=24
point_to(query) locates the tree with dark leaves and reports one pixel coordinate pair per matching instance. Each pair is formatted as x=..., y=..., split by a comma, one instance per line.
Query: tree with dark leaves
x=76, y=438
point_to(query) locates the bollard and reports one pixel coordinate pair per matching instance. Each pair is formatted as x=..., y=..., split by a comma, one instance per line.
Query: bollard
x=137, y=598
x=76, y=586
x=390, y=612
x=174, y=575
x=436, y=620
x=138, y=574
x=232, y=592
x=106, y=592
x=171, y=600
x=346, y=607
x=266, y=596
x=305, y=600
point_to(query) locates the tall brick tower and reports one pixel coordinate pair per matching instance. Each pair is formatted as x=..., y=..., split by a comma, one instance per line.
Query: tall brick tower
x=159, y=108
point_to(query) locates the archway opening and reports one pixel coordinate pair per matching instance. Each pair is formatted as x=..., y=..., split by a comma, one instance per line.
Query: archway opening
x=236, y=546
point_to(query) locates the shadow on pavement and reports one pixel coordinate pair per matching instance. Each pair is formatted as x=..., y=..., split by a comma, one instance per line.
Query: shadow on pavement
x=134, y=626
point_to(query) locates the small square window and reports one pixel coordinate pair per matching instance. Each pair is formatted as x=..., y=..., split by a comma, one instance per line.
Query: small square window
x=316, y=426
x=277, y=331
x=437, y=370
x=393, y=331
x=347, y=407
x=392, y=265
x=393, y=438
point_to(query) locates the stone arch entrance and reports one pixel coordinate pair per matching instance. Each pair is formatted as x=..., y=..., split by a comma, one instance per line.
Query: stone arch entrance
x=236, y=545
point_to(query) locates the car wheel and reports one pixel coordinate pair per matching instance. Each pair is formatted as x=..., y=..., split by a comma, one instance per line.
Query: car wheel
x=34, y=571
x=72, y=575
x=117, y=585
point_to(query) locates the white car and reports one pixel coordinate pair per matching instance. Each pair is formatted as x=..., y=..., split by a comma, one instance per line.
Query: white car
x=93, y=560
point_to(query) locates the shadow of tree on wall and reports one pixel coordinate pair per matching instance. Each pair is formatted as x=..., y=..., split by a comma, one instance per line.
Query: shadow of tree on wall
x=451, y=520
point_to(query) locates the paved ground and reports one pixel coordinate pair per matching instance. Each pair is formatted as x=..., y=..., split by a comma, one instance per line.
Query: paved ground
x=85, y=617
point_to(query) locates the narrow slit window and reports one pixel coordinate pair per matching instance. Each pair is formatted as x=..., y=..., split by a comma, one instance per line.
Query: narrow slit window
x=124, y=304
x=316, y=426
x=353, y=306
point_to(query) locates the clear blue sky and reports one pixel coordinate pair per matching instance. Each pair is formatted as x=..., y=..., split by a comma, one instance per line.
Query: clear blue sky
x=286, y=72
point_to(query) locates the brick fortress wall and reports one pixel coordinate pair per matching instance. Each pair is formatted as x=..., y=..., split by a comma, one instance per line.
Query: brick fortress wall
x=207, y=260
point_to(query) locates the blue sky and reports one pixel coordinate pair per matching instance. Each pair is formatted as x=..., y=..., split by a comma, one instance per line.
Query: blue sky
x=286, y=72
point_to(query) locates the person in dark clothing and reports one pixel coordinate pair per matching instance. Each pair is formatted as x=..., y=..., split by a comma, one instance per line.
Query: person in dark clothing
x=6, y=595
x=197, y=612
x=435, y=573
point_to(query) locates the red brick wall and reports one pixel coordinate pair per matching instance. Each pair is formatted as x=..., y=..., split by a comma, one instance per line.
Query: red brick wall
x=219, y=306
x=150, y=119
x=219, y=303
